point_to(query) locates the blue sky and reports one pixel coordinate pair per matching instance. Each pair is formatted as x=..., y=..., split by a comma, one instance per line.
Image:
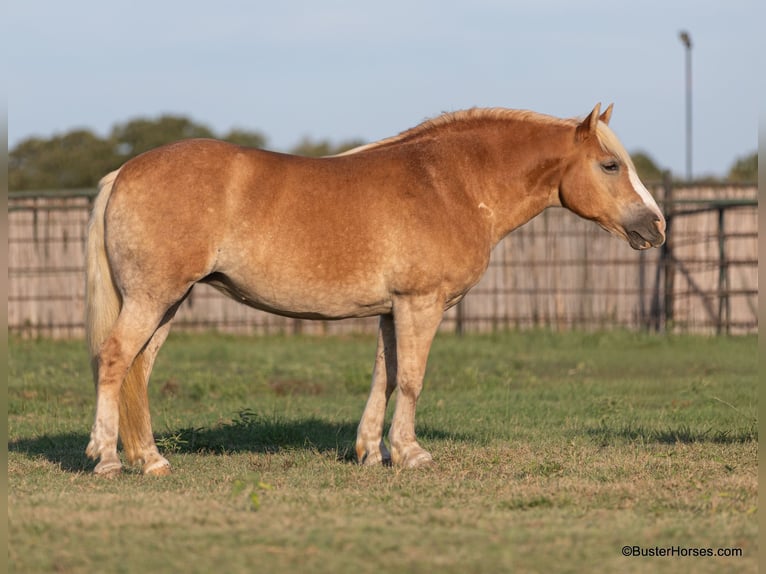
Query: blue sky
x=343, y=70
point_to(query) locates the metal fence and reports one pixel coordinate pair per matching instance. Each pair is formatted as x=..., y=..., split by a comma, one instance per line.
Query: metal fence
x=557, y=272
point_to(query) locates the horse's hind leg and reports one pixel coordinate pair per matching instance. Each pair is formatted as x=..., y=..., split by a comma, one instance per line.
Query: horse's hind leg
x=370, y=448
x=133, y=329
x=135, y=422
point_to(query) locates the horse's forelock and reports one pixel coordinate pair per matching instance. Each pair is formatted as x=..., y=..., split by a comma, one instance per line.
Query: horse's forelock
x=610, y=144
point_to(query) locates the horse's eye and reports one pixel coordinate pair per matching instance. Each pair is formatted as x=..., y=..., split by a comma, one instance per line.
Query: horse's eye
x=610, y=166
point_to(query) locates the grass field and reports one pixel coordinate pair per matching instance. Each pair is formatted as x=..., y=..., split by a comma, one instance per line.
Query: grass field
x=552, y=452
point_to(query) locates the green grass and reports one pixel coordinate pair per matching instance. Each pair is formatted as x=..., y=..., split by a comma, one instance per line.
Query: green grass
x=552, y=452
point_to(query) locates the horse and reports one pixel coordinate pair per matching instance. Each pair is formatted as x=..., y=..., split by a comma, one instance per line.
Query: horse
x=400, y=228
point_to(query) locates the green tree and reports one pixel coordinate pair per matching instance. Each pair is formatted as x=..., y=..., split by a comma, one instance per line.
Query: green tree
x=75, y=159
x=142, y=134
x=745, y=169
x=80, y=158
x=646, y=167
x=245, y=138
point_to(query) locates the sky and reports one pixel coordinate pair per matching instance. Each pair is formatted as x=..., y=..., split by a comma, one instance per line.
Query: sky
x=368, y=70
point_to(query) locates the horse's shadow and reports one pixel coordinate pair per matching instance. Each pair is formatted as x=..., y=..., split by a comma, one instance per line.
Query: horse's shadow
x=248, y=432
x=606, y=435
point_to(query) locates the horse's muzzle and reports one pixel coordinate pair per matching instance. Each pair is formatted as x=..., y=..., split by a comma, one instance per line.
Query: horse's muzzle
x=645, y=230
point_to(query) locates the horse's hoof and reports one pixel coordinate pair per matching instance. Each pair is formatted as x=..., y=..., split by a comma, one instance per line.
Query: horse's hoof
x=375, y=459
x=418, y=459
x=373, y=456
x=157, y=468
x=369, y=459
x=108, y=469
x=414, y=457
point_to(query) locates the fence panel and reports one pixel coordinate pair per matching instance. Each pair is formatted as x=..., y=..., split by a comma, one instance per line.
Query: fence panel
x=714, y=259
x=557, y=271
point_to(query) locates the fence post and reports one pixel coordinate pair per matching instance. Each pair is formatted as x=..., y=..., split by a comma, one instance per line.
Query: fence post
x=724, y=318
x=666, y=256
x=643, y=320
x=459, y=318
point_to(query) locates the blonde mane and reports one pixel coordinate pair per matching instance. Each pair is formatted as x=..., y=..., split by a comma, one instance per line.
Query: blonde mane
x=470, y=115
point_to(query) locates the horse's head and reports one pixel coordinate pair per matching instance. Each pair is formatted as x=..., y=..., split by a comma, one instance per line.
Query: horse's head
x=600, y=183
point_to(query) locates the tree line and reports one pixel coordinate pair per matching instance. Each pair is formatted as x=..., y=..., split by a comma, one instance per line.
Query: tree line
x=79, y=158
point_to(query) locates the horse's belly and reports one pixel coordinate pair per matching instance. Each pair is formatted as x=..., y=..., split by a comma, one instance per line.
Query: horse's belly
x=304, y=299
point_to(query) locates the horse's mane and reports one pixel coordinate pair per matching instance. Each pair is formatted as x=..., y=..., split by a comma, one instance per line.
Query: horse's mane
x=454, y=119
x=606, y=136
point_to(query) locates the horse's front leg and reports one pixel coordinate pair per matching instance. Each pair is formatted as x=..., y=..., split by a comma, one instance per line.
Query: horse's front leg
x=416, y=320
x=370, y=448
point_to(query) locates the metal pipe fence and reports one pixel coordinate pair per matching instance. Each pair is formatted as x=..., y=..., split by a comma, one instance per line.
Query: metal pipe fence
x=557, y=272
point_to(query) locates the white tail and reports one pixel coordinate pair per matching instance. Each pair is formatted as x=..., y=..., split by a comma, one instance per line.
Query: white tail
x=102, y=302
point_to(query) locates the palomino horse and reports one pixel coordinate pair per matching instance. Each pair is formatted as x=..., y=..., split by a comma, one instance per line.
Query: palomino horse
x=401, y=229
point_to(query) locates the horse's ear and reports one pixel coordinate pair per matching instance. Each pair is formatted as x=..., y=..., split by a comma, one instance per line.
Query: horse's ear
x=587, y=127
x=607, y=114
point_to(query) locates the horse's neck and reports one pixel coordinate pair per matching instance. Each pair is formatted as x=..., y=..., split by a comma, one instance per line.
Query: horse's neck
x=520, y=175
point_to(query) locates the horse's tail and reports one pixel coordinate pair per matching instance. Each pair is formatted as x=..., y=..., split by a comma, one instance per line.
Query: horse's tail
x=102, y=301
x=102, y=307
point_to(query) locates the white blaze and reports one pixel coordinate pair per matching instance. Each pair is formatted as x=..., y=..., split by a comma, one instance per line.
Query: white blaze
x=644, y=193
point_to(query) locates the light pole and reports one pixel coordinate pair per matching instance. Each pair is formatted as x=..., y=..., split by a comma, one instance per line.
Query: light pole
x=687, y=42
